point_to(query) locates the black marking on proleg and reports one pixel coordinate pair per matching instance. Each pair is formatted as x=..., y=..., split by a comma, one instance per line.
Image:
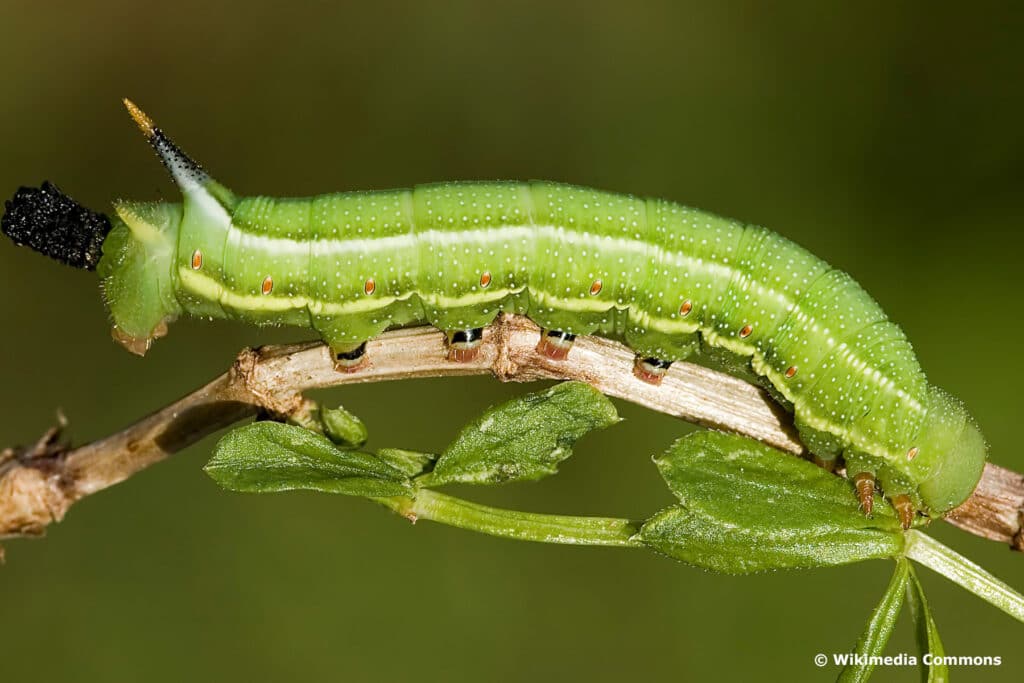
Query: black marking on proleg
x=468, y=336
x=51, y=223
x=465, y=345
x=561, y=336
x=651, y=370
x=353, y=355
x=555, y=344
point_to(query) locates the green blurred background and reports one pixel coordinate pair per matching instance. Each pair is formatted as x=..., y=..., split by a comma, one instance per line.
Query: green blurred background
x=888, y=140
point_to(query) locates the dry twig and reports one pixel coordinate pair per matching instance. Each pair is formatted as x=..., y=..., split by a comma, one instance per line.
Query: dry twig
x=38, y=485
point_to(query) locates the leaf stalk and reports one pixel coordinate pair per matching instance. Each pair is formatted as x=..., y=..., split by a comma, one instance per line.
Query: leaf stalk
x=963, y=572
x=513, y=524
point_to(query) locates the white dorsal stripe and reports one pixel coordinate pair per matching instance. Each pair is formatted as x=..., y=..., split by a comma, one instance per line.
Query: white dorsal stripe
x=208, y=287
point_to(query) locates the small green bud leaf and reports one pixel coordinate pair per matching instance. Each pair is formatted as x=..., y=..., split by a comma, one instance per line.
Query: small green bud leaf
x=268, y=456
x=525, y=438
x=747, y=507
x=343, y=428
x=878, y=629
x=927, y=632
x=411, y=462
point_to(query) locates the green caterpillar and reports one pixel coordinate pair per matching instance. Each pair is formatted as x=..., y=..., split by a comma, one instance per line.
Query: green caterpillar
x=669, y=280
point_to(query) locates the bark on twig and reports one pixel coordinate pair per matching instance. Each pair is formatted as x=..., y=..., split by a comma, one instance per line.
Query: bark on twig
x=38, y=485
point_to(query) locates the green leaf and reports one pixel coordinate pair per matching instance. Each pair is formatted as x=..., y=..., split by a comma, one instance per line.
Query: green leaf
x=878, y=629
x=268, y=456
x=526, y=438
x=747, y=507
x=343, y=428
x=928, y=640
x=412, y=463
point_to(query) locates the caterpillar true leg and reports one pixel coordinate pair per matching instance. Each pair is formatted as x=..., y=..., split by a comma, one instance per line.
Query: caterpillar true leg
x=864, y=482
x=555, y=344
x=827, y=464
x=349, y=358
x=650, y=370
x=464, y=345
x=904, y=509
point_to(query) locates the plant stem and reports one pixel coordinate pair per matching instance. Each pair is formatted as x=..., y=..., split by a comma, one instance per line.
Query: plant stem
x=962, y=571
x=522, y=526
x=38, y=486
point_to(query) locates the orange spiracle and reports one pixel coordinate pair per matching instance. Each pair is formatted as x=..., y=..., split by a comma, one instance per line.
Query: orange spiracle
x=268, y=285
x=369, y=286
x=685, y=309
x=197, y=259
x=595, y=288
x=485, y=278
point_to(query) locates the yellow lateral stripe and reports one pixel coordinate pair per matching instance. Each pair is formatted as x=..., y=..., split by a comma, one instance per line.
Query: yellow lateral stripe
x=205, y=286
x=210, y=288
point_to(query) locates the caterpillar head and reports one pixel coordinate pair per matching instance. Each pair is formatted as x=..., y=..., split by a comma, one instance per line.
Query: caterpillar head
x=950, y=453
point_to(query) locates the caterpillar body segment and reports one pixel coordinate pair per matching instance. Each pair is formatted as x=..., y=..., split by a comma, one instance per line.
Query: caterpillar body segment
x=671, y=281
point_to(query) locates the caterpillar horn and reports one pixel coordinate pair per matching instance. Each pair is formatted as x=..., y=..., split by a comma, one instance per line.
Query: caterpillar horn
x=193, y=181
